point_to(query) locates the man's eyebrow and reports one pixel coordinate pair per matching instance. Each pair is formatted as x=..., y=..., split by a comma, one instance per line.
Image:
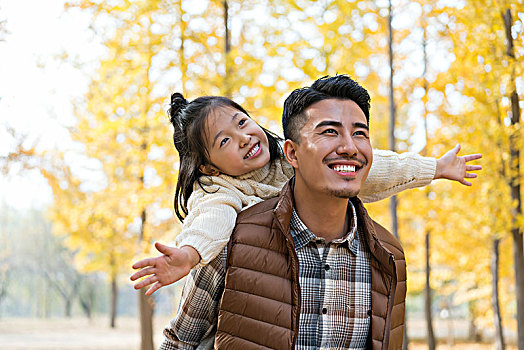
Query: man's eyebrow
x=339, y=124
x=328, y=123
x=233, y=117
x=361, y=125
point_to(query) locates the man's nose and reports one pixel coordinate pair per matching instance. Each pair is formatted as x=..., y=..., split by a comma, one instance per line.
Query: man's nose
x=347, y=146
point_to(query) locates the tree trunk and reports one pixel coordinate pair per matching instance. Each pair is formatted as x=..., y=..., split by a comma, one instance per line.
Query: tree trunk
x=67, y=312
x=406, y=339
x=227, y=50
x=393, y=204
x=86, y=306
x=427, y=294
x=499, y=335
x=427, y=289
x=87, y=297
x=392, y=117
x=114, y=298
x=4, y=276
x=183, y=63
x=474, y=333
x=516, y=211
x=146, y=305
x=47, y=302
x=4, y=283
x=519, y=273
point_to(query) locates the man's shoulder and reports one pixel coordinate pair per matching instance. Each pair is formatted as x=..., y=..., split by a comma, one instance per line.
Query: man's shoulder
x=255, y=230
x=390, y=242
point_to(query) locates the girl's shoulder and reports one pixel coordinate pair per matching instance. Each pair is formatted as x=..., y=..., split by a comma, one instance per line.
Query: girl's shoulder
x=213, y=189
x=207, y=183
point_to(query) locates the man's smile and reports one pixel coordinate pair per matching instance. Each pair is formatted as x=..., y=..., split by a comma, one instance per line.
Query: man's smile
x=344, y=166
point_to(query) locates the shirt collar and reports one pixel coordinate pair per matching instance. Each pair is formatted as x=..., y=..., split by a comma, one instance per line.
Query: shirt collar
x=302, y=235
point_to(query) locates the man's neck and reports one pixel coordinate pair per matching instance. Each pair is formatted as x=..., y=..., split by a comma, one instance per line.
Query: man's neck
x=324, y=215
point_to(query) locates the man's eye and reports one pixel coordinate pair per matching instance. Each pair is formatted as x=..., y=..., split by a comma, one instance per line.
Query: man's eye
x=329, y=131
x=360, y=133
x=223, y=142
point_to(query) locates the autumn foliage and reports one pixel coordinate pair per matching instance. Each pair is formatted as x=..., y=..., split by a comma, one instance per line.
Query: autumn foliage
x=257, y=55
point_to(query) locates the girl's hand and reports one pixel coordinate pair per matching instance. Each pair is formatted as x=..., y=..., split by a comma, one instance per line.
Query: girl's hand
x=452, y=167
x=165, y=269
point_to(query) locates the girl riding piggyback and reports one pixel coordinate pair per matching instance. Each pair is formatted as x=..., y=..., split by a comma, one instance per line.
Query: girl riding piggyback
x=228, y=163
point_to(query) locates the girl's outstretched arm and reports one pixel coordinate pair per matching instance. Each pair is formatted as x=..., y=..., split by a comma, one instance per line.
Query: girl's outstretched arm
x=166, y=269
x=205, y=232
x=392, y=173
x=451, y=166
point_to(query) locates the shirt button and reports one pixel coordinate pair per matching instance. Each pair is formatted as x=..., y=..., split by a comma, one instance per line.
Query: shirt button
x=326, y=267
x=369, y=313
x=324, y=311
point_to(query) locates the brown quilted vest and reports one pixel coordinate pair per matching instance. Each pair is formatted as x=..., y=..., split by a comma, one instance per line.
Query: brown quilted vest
x=260, y=307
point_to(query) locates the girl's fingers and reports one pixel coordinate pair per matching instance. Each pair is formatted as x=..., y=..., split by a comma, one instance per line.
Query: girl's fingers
x=470, y=175
x=146, y=282
x=154, y=288
x=471, y=157
x=473, y=167
x=464, y=182
x=144, y=263
x=142, y=273
x=162, y=248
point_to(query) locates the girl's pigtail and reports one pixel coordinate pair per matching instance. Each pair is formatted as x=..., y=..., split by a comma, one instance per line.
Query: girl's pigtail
x=177, y=105
x=176, y=116
x=178, y=102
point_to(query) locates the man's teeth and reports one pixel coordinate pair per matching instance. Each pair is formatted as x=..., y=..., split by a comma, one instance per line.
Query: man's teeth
x=253, y=151
x=344, y=168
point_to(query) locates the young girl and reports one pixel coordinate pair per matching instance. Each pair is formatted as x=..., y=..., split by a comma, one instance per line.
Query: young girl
x=228, y=163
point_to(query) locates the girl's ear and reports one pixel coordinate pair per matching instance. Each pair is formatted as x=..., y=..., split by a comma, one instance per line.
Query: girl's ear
x=290, y=151
x=209, y=170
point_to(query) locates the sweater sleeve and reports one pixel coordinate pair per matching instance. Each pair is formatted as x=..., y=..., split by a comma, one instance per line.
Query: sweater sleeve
x=210, y=221
x=392, y=173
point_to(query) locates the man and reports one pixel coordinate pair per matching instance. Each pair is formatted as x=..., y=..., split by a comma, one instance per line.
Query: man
x=308, y=269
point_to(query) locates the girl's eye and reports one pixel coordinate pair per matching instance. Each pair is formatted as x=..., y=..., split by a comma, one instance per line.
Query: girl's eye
x=241, y=122
x=360, y=133
x=223, y=142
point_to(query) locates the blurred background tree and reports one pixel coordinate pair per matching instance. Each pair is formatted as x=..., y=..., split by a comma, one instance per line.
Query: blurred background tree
x=455, y=70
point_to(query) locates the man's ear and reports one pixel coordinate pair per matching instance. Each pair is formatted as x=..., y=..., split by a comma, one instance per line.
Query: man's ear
x=290, y=151
x=209, y=170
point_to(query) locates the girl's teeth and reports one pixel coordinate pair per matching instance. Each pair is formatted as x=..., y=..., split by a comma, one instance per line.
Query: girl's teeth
x=253, y=151
x=344, y=168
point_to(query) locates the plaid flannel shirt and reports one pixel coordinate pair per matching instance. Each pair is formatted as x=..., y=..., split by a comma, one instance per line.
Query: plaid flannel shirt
x=335, y=284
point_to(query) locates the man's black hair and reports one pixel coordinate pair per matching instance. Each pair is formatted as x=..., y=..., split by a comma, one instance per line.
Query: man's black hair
x=338, y=86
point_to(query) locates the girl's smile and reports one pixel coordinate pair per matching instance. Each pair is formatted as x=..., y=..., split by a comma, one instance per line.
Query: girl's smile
x=236, y=144
x=254, y=151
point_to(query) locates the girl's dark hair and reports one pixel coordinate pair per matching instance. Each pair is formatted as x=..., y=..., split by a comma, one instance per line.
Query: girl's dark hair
x=189, y=122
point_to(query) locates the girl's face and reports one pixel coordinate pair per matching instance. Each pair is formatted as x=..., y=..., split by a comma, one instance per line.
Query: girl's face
x=236, y=144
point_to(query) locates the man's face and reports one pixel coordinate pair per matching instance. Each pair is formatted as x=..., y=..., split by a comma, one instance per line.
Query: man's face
x=334, y=154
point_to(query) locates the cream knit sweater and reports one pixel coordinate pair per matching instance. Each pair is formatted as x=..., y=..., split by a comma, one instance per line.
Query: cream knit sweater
x=212, y=211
